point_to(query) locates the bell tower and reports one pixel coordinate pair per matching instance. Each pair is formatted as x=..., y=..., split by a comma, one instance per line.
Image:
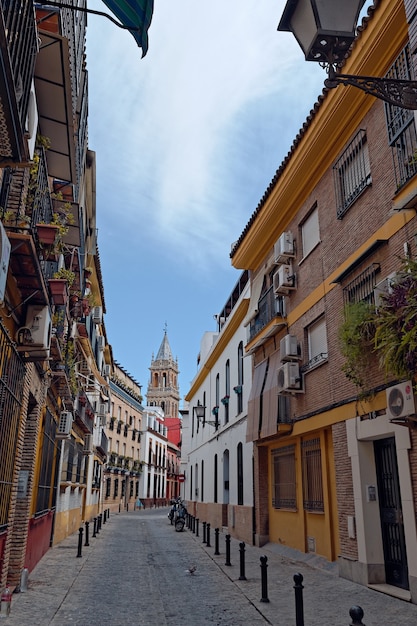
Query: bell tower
x=163, y=389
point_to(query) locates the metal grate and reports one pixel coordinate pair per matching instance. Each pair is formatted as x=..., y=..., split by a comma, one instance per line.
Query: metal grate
x=12, y=373
x=351, y=173
x=361, y=288
x=312, y=475
x=284, y=478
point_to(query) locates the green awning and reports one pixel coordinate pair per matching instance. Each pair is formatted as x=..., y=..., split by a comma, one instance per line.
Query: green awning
x=136, y=16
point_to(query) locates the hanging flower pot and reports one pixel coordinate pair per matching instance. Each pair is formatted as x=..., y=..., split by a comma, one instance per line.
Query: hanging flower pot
x=59, y=290
x=47, y=233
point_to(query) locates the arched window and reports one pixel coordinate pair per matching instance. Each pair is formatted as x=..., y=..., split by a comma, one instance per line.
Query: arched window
x=215, y=478
x=239, y=473
x=227, y=390
x=240, y=378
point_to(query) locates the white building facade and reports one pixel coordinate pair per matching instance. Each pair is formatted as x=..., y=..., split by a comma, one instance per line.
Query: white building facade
x=215, y=457
x=154, y=441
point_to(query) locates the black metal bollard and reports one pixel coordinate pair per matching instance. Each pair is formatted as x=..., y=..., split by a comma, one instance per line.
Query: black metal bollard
x=197, y=522
x=80, y=541
x=299, y=606
x=264, y=579
x=208, y=536
x=108, y=513
x=204, y=531
x=104, y=516
x=127, y=507
x=228, y=550
x=100, y=519
x=95, y=527
x=87, y=538
x=242, y=560
x=356, y=613
x=216, y=541
x=193, y=529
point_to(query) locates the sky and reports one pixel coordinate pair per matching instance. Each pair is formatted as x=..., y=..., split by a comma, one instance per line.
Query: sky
x=187, y=140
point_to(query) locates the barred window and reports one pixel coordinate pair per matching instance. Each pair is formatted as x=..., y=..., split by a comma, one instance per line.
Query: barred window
x=108, y=487
x=351, y=173
x=283, y=476
x=401, y=127
x=312, y=475
x=361, y=288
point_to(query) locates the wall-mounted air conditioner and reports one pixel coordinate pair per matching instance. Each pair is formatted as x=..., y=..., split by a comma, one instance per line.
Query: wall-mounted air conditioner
x=32, y=121
x=88, y=444
x=383, y=288
x=400, y=401
x=289, y=378
x=107, y=370
x=97, y=314
x=102, y=409
x=101, y=342
x=4, y=261
x=284, y=279
x=35, y=336
x=289, y=349
x=284, y=248
x=65, y=425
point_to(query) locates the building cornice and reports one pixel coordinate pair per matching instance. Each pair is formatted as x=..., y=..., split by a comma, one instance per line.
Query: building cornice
x=373, y=53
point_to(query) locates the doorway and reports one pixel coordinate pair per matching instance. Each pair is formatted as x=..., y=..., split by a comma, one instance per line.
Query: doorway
x=392, y=526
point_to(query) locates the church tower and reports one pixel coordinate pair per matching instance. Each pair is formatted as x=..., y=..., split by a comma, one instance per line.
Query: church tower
x=163, y=389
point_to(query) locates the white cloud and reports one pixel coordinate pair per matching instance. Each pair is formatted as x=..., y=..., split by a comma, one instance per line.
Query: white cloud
x=169, y=118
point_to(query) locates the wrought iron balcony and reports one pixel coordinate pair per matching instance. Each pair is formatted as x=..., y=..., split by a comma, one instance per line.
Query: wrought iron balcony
x=269, y=307
x=18, y=49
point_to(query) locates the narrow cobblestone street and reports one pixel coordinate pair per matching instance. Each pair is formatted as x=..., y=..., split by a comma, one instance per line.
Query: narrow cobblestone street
x=135, y=572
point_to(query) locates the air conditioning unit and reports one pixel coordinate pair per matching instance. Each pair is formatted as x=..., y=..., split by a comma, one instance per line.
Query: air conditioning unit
x=35, y=336
x=284, y=248
x=88, y=444
x=101, y=342
x=107, y=370
x=4, y=261
x=32, y=120
x=288, y=348
x=400, y=401
x=97, y=314
x=101, y=409
x=384, y=287
x=284, y=279
x=289, y=378
x=65, y=425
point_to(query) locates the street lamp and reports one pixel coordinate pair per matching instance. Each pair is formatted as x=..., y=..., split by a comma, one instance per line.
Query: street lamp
x=325, y=30
x=200, y=412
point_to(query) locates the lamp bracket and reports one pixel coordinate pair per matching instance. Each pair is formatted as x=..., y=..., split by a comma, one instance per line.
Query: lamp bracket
x=402, y=93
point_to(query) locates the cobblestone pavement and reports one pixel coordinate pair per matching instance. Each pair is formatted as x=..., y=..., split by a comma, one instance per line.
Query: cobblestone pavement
x=135, y=573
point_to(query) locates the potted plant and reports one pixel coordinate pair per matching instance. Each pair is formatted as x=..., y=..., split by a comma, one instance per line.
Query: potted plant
x=59, y=285
x=47, y=233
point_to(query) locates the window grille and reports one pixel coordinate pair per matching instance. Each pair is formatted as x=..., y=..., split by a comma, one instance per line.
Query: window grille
x=45, y=484
x=312, y=475
x=351, y=173
x=12, y=372
x=361, y=288
x=284, y=482
x=401, y=127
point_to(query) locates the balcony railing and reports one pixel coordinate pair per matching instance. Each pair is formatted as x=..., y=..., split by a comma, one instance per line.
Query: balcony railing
x=18, y=47
x=269, y=307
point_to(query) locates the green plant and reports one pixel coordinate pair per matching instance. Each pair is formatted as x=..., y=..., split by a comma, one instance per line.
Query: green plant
x=66, y=274
x=356, y=336
x=396, y=323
